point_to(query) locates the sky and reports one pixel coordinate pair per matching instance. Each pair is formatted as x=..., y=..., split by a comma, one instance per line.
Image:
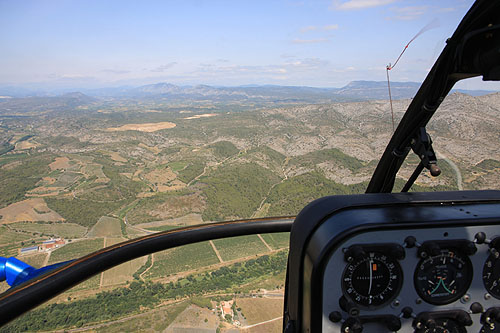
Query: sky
x=91, y=44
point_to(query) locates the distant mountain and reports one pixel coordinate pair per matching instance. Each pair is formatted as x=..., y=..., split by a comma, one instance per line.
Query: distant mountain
x=37, y=105
x=373, y=90
x=354, y=91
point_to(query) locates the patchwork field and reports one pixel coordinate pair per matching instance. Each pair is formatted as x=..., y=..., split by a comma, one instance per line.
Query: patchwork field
x=106, y=227
x=257, y=310
x=64, y=230
x=34, y=209
x=121, y=273
x=277, y=240
x=59, y=163
x=11, y=237
x=240, y=247
x=190, y=219
x=35, y=260
x=194, y=318
x=76, y=250
x=154, y=321
x=181, y=259
x=149, y=127
x=198, y=116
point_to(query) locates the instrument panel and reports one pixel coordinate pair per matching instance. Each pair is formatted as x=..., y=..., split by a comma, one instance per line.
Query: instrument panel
x=418, y=280
x=406, y=262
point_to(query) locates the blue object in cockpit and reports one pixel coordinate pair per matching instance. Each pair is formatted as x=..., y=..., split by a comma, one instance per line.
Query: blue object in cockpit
x=16, y=272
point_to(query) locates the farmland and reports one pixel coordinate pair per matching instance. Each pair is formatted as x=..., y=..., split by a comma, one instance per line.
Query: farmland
x=63, y=230
x=75, y=250
x=239, y=247
x=119, y=169
x=182, y=259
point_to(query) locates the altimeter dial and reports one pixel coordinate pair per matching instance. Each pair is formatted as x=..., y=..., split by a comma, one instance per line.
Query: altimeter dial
x=373, y=280
x=491, y=274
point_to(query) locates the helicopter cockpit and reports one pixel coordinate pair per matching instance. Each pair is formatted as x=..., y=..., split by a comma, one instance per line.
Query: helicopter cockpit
x=376, y=262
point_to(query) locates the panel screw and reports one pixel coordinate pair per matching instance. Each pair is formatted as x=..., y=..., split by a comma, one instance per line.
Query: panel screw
x=396, y=303
x=487, y=296
x=418, y=301
x=465, y=298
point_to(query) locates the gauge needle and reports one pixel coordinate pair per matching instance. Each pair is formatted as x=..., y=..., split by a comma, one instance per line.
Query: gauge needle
x=371, y=277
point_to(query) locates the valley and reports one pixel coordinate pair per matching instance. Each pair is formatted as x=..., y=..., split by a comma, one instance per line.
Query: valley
x=98, y=171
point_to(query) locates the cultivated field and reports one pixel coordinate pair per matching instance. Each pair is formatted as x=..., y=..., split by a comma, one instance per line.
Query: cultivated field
x=240, y=247
x=277, y=240
x=121, y=273
x=152, y=321
x=106, y=227
x=194, y=318
x=59, y=163
x=198, y=116
x=181, y=259
x=190, y=219
x=35, y=260
x=149, y=127
x=56, y=229
x=11, y=237
x=34, y=209
x=76, y=250
x=257, y=310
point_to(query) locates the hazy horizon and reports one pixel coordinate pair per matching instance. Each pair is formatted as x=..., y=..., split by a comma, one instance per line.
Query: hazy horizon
x=324, y=43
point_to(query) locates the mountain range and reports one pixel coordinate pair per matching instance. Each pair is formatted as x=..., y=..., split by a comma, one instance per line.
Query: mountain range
x=354, y=91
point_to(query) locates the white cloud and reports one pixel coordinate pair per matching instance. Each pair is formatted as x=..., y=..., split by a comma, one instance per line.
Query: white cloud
x=360, y=4
x=331, y=27
x=308, y=28
x=310, y=41
x=163, y=68
x=408, y=13
x=115, y=71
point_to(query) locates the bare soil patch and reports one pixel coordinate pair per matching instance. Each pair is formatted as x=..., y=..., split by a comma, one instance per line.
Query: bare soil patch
x=153, y=149
x=59, y=163
x=26, y=145
x=193, y=319
x=164, y=180
x=34, y=209
x=198, y=116
x=149, y=127
x=190, y=219
x=116, y=157
x=161, y=176
x=179, y=206
x=257, y=310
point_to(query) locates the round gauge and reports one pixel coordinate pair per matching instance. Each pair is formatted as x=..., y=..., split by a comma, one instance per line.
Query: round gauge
x=373, y=280
x=444, y=278
x=491, y=275
x=443, y=326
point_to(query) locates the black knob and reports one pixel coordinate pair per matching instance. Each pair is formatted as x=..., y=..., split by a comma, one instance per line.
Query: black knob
x=476, y=307
x=410, y=242
x=406, y=312
x=393, y=324
x=352, y=325
x=335, y=316
x=348, y=306
x=480, y=237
